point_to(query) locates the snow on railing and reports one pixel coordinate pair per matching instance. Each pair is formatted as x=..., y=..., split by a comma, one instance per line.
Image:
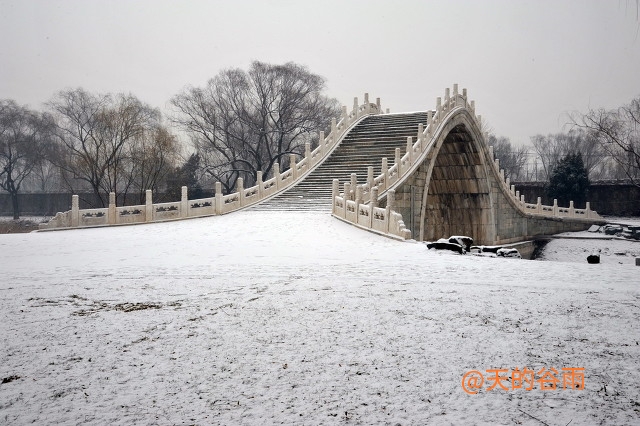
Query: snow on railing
x=369, y=216
x=404, y=163
x=415, y=153
x=358, y=203
x=539, y=209
x=220, y=204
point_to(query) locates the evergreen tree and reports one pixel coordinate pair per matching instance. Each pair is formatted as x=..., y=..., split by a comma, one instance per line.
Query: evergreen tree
x=569, y=181
x=185, y=175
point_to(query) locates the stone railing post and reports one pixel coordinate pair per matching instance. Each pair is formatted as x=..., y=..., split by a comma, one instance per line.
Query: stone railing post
x=572, y=210
x=307, y=154
x=587, y=208
x=373, y=203
x=358, y=200
x=184, y=202
x=378, y=105
x=321, y=143
x=438, y=104
x=347, y=191
x=539, y=205
x=367, y=105
x=354, y=184
x=346, y=197
x=276, y=174
x=410, y=148
x=374, y=198
x=447, y=98
x=335, y=191
x=355, y=108
x=421, y=136
x=148, y=204
x=397, y=161
x=334, y=131
x=555, y=207
x=391, y=199
x=293, y=166
x=240, y=190
x=111, y=219
x=218, y=196
x=370, y=177
x=384, y=171
x=391, y=205
x=260, y=184
x=75, y=211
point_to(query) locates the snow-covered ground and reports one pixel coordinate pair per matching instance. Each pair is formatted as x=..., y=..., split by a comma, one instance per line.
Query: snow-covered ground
x=263, y=318
x=612, y=249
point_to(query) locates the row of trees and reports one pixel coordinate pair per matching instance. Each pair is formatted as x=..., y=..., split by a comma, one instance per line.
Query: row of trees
x=23, y=134
x=537, y=161
x=608, y=142
x=240, y=123
x=110, y=143
x=602, y=144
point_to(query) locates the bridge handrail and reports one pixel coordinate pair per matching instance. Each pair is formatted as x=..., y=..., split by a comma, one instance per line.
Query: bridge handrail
x=221, y=204
x=415, y=153
x=384, y=221
x=538, y=209
x=423, y=141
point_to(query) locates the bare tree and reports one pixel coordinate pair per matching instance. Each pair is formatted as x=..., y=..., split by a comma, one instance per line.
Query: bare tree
x=512, y=159
x=152, y=157
x=23, y=136
x=618, y=133
x=245, y=122
x=93, y=131
x=45, y=176
x=552, y=148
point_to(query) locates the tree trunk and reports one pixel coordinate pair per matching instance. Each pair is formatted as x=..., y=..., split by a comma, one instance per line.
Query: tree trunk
x=14, y=203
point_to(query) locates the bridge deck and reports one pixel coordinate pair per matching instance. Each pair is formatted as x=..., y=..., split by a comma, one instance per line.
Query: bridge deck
x=365, y=145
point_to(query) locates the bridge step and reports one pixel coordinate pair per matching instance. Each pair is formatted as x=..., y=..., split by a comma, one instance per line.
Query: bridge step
x=365, y=145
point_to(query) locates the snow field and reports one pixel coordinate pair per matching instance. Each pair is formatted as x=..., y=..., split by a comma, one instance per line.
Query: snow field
x=263, y=318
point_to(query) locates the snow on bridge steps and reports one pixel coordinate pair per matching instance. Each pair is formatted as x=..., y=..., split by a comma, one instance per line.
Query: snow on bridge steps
x=220, y=204
x=447, y=182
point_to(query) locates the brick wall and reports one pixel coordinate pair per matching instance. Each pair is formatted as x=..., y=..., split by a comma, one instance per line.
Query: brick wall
x=607, y=198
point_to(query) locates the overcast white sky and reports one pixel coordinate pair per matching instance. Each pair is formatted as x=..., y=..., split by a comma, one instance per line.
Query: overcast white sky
x=526, y=63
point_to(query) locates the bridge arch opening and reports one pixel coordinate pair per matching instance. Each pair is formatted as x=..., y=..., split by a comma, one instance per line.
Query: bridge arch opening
x=457, y=190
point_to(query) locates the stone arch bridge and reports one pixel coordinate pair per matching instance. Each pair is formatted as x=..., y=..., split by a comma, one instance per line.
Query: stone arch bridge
x=422, y=175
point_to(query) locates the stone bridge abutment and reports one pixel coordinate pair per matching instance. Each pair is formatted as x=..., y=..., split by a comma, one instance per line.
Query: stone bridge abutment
x=457, y=189
x=450, y=193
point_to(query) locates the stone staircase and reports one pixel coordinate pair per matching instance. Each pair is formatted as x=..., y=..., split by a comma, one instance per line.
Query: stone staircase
x=365, y=145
